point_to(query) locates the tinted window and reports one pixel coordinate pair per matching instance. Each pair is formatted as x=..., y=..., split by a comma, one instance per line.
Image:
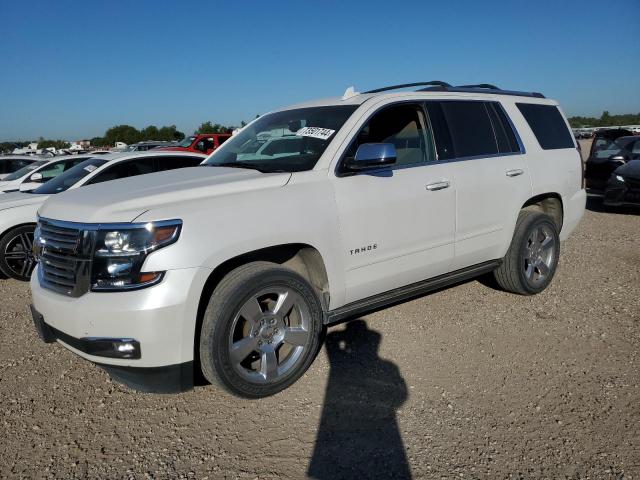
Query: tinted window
x=405, y=127
x=125, y=169
x=24, y=171
x=170, y=163
x=547, y=125
x=51, y=171
x=470, y=127
x=221, y=140
x=72, y=176
x=444, y=144
x=505, y=137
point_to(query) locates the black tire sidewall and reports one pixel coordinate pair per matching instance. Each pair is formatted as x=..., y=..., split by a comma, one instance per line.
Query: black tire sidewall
x=218, y=322
x=534, y=222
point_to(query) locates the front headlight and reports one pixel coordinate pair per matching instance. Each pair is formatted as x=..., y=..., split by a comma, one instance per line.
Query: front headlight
x=121, y=250
x=619, y=178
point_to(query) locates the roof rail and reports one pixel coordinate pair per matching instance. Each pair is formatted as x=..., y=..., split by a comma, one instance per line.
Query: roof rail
x=437, y=85
x=480, y=85
x=433, y=83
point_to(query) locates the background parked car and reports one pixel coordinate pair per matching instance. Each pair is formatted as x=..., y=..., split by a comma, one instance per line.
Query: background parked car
x=203, y=143
x=623, y=187
x=144, y=146
x=18, y=210
x=11, y=163
x=609, y=150
x=35, y=174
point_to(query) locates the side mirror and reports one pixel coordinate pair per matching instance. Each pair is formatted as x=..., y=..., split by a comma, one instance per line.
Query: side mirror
x=36, y=177
x=618, y=158
x=373, y=155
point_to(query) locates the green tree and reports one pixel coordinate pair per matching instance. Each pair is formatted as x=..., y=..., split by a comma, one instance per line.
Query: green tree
x=57, y=144
x=208, y=127
x=122, y=133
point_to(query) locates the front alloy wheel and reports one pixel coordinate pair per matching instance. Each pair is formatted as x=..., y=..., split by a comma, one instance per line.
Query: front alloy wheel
x=261, y=330
x=16, y=253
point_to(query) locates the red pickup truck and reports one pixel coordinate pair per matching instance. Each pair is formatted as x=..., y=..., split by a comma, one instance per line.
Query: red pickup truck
x=203, y=143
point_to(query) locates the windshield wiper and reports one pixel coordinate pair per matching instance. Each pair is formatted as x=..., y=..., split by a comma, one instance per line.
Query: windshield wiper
x=247, y=165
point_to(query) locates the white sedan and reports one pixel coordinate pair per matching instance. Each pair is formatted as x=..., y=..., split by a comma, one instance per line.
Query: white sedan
x=36, y=173
x=18, y=210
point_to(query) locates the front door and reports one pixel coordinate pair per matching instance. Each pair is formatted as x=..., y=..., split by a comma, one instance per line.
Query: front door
x=396, y=223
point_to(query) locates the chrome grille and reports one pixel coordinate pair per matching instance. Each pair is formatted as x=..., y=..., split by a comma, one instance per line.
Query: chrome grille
x=64, y=252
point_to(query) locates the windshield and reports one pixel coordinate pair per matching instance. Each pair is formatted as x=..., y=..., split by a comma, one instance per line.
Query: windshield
x=290, y=141
x=23, y=171
x=606, y=147
x=69, y=178
x=186, y=142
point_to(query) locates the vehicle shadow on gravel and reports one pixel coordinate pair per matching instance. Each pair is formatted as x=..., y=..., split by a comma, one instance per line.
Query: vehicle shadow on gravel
x=358, y=436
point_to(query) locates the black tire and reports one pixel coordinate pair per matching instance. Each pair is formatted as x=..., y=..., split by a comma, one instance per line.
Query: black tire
x=225, y=326
x=522, y=271
x=17, y=242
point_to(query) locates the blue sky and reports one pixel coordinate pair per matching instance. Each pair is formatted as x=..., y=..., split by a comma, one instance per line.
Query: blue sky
x=71, y=69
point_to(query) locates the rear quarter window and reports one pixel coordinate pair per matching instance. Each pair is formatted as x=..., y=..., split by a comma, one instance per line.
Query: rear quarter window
x=547, y=125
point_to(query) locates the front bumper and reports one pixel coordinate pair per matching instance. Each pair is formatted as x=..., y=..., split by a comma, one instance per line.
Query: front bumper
x=622, y=193
x=146, y=333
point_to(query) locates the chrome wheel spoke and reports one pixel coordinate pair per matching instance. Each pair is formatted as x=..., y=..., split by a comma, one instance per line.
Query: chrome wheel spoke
x=547, y=243
x=529, y=270
x=296, y=336
x=252, y=312
x=286, y=301
x=242, y=348
x=269, y=364
x=543, y=269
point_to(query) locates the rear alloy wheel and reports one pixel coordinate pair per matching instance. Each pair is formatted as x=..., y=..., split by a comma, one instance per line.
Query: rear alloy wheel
x=532, y=259
x=261, y=330
x=16, y=253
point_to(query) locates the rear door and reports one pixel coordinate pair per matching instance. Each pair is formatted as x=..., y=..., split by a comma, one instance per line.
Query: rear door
x=492, y=180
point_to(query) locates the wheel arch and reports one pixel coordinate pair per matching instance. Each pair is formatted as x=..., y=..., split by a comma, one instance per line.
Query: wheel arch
x=302, y=258
x=549, y=203
x=13, y=227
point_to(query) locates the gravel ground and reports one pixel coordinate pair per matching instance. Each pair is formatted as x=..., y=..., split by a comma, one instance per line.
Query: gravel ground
x=468, y=382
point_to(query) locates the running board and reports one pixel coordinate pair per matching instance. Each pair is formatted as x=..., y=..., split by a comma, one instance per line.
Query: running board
x=401, y=294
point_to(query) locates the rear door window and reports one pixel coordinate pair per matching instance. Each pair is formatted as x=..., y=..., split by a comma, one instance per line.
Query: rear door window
x=176, y=161
x=470, y=128
x=547, y=125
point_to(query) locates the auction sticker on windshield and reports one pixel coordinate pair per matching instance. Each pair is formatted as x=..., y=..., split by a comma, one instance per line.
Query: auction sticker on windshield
x=315, y=132
x=90, y=168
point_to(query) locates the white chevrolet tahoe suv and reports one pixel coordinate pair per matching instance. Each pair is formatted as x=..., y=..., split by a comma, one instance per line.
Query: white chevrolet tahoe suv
x=232, y=269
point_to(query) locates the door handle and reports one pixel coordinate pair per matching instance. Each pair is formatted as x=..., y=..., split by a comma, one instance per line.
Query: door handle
x=515, y=172
x=432, y=187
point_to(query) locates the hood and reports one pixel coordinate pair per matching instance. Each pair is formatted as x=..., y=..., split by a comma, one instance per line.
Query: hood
x=629, y=170
x=124, y=200
x=19, y=199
